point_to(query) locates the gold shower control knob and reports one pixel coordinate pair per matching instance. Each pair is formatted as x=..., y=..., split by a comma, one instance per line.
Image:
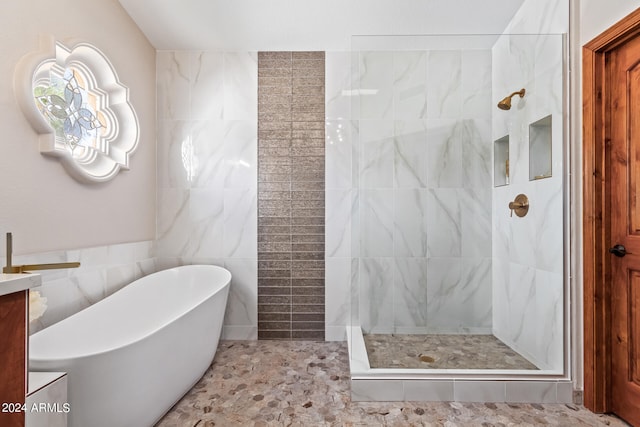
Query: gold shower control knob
x=520, y=205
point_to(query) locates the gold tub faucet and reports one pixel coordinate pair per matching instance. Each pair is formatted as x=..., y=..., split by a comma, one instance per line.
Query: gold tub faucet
x=17, y=269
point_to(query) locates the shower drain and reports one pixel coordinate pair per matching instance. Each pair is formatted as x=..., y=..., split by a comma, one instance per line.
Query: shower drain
x=426, y=359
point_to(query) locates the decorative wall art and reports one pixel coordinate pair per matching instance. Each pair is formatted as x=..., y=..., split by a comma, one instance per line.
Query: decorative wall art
x=73, y=99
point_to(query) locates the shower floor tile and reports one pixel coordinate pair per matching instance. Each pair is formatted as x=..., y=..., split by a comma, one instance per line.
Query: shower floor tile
x=442, y=352
x=305, y=384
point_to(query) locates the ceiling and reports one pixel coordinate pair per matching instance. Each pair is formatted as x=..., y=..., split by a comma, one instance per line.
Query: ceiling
x=307, y=24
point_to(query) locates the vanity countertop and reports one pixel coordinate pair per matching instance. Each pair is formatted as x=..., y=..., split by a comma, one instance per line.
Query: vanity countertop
x=10, y=283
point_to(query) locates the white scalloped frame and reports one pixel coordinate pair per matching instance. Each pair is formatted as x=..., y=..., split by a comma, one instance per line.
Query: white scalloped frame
x=121, y=134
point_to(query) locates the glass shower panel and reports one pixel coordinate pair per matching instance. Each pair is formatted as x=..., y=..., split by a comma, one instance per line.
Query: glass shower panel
x=437, y=260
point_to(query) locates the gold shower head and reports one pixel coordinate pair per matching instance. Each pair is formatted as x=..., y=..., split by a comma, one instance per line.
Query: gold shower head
x=505, y=104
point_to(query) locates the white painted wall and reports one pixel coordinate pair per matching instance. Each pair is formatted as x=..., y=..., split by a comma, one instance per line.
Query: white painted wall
x=598, y=15
x=40, y=203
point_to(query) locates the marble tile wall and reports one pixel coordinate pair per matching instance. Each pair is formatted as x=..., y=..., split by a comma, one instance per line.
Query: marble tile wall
x=528, y=257
x=418, y=217
x=103, y=270
x=207, y=171
x=341, y=201
x=291, y=198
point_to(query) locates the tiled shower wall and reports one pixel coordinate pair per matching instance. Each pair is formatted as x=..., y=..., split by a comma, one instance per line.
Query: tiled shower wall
x=528, y=253
x=291, y=183
x=422, y=210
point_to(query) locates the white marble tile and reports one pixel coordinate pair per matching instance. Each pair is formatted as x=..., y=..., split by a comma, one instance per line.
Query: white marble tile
x=523, y=230
x=354, y=101
x=90, y=257
x=93, y=285
x=475, y=216
x=444, y=278
x=173, y=222
x=500, y=299
x=476, y=84
x=206, y=224
x=207, y=85
x=410, y=292
x=521, y=62
x=337, y=292
x=444, y=87
x=173, y=85
x=531, y=392
x=549, y=225
x=501, y=222
x=356, y=230
x=376, y=153
x=118, y=277
x=376, y=223
x=356, y=152
x=335, y=333
x=377, y=390
x=550, y=329
x=240, y=223
x=479, y=391
x=123, y=253
x=143, y=249
x=167, y=262
x=239, y=333
x=64, y=299
x=209, y=168
x=523, y=313
x=338, y=222
x=337, y=85
x=476, y=153
x=540, y=17
x=376, y=291
x=240, y=86
x=459, y=294
x=410, y=153
x=410, y=84
x=476, y=292
x=242, y=304
x=444, y=154
x=338, y=152
x=565, y=392
x=241, y=154
x=354, y=315
x=443, y=223
x=172, y=136
x=376, y=85
x=410, y=222
x=428, y=390
x=145, y=267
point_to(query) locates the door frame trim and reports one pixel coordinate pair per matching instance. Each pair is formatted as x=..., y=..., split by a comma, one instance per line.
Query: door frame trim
x=596, y=268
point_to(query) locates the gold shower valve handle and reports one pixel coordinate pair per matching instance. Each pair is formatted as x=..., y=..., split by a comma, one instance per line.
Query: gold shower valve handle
x=520, y=205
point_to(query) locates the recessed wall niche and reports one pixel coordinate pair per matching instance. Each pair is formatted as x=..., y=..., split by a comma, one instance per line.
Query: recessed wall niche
x=540, y=149
x=501, y=161
x=74, y=100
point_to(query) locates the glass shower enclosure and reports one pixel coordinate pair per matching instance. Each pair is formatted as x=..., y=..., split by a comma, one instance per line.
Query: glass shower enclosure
x=458, y=245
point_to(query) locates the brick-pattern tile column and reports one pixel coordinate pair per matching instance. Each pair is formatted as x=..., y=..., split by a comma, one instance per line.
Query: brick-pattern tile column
x=291, y=195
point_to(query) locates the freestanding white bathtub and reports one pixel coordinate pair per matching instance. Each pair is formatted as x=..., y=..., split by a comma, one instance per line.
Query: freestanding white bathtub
x=133, y=355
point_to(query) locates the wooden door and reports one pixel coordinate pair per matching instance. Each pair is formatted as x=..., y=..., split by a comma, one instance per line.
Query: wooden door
x=622, y=101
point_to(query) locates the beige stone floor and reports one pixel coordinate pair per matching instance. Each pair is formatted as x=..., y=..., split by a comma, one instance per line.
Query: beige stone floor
x=303, y=383
x=442, y=352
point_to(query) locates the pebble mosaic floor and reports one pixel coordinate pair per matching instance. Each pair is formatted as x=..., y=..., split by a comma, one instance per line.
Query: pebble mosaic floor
x=442, y=352
x=304, y=383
